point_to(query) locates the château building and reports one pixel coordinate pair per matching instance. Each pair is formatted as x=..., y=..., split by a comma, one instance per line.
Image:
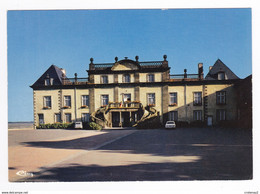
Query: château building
x=124, y=92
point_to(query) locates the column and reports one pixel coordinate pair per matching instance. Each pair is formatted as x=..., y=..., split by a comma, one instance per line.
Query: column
x=116, y=94
x=91, y=100
x=120, y=120
x=137, y=93
x=165, y=102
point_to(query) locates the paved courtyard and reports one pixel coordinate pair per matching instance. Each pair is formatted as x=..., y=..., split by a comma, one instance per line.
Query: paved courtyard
x=130, y=155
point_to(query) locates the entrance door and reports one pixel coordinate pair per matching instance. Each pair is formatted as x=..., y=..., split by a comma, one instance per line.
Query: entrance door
x=115, y=119
x=210, y=120
x=126, y=119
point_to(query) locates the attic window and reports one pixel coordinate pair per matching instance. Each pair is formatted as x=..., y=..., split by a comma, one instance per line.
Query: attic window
x=221, y=76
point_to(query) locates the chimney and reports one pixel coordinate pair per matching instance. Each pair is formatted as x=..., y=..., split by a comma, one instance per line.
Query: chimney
x=200, y=70
x=210, y=67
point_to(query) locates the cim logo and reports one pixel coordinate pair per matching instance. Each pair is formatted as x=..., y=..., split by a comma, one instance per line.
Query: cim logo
x=24, y=173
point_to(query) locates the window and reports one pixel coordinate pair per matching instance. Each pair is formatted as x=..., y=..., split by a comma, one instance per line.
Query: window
x=197, y=98
x=48, y=81
x=85, y=117
x=221, y=97
x=127, y=97
x=150, y=77
x=41, y=118
x=67, y=117
x=67, y=101
x=104, y=100
x=173, y=99
x=84, y=100
x=221, y=76
x=197, y=115
x=104, y=79
x=221, y=115
x=47, y=102
x=173, y=116
x=126, y=78
x=57, y=118
x=151, y=99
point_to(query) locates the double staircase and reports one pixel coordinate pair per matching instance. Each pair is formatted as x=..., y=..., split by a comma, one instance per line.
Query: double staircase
x=148, y=113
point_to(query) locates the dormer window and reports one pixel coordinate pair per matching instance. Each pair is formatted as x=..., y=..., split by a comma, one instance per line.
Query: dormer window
x=48, y=81
x=221, y=76
x=126, y=78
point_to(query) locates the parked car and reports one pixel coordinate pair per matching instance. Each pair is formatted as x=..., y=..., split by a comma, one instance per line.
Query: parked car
x=78, y=125
x=170, y=125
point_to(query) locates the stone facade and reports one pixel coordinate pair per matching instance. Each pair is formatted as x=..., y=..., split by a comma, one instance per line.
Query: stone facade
x=114, y=86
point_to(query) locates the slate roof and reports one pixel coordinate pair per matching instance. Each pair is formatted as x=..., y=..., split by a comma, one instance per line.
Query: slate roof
x=141, y=65
x=53, y=72
x=219, y=66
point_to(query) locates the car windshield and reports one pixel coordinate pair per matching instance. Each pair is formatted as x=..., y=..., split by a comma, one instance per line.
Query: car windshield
x=170, y=122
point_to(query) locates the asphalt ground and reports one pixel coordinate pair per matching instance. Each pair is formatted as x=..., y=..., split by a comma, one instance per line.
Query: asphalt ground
x=30, y=150
x=131, y=155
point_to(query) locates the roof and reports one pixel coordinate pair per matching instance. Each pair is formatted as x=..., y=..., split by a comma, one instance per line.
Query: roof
x=140, y=66
x=53, y=72
x=219, y=67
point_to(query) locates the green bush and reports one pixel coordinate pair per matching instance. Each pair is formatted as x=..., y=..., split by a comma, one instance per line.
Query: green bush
x=94, y=126
x=40, y=126
x=56, y=126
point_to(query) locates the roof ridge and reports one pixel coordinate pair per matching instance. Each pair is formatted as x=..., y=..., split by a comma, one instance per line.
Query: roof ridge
x=56, y=68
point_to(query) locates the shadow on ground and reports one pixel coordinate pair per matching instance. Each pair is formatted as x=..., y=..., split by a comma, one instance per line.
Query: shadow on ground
x=161, y=142
x=224, y=154
x=143, y=172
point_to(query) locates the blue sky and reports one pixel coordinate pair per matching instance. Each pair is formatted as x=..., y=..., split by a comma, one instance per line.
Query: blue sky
x=68, y=39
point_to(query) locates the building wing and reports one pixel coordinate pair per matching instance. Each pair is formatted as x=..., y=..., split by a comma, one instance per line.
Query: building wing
x=219, y=71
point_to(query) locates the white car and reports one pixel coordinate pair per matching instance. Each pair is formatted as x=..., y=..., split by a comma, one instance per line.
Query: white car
x=78, y=125
x=170, y=125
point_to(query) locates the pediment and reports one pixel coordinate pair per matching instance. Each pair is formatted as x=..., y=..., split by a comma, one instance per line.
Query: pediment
x=125, y=66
